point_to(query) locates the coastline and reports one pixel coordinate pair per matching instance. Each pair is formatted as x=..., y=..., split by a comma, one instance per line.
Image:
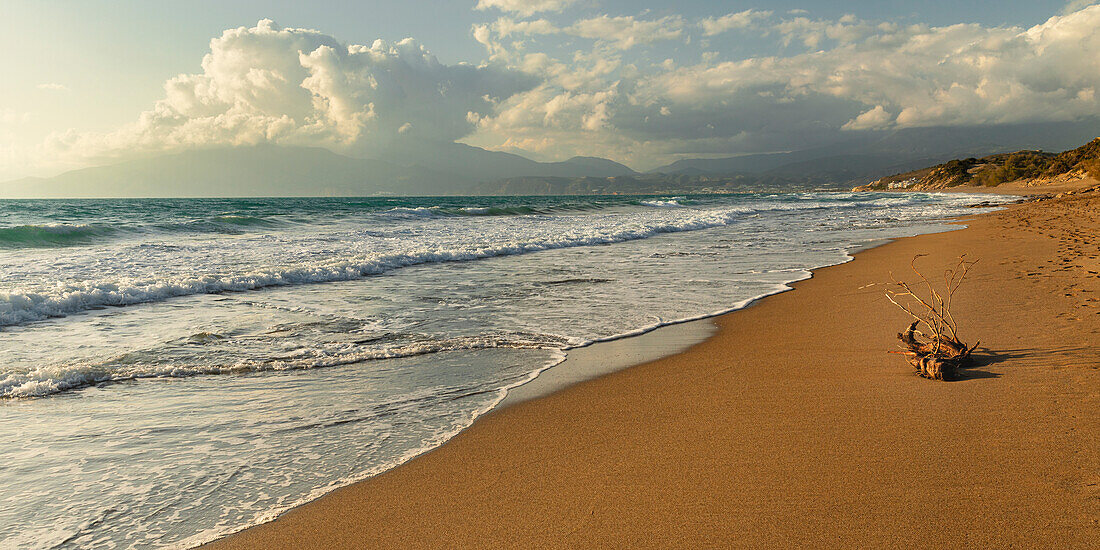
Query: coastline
x=626, y=456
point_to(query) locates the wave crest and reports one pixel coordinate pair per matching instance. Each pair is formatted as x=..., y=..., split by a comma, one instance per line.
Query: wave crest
x=52, y=235
x=44, y=381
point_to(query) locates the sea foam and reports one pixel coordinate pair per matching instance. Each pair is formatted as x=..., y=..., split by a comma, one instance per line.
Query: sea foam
x=66, y=298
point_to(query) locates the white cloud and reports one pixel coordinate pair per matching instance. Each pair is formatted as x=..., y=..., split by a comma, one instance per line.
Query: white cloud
x=609, y=95
x=859, y=75
x=525, y=8
x=738, y=20
x=1076, y=5
x=506, y=27
x=622, y=32
x=53, y=86
x=11, y=117
x=872, y=119
x=299, y=86
x=956, y=75
x=625, y=32
x=815, y=33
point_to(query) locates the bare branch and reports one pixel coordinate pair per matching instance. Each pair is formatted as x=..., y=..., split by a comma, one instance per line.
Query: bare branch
x=940, y=353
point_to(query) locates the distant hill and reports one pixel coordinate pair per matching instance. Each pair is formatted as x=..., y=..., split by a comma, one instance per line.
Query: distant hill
x=595, y=166
x=869, y=155
x=993, y=170
x=269, y=170
x=904, y=153
x=237, y=172
x=477, y=164
x=745, y=163
x=651, y=184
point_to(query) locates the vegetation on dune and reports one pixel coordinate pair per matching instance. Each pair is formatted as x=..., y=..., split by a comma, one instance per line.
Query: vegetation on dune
x=1085, y=157
x=1014, y=166
x=996, y=169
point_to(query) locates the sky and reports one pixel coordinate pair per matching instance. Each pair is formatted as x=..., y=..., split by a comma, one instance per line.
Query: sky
x=643, y=83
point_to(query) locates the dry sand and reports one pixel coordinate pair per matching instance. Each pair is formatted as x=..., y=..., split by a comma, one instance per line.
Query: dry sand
x=792, y=426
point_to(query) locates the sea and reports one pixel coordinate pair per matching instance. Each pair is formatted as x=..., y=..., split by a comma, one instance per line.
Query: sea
x=174, y=370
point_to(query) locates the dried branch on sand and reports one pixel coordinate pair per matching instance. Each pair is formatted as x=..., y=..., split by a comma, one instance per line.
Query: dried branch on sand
x=932, y=341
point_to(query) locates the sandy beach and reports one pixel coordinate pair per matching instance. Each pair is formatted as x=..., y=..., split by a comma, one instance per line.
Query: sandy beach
x=792, y=426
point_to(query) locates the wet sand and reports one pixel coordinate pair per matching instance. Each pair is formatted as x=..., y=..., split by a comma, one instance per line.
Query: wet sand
x=792, y=425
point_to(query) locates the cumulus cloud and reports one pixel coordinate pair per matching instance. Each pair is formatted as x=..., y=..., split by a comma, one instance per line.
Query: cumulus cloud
x=1076, y=5
x=625, y=32
x=856, y=75
x=738, y=20
x=622, y=32
x=956, y=75
x=872, y=119
x=620, y=92
x=269, y=84
x=11, y=116
x=815, y=33
x=525, y=8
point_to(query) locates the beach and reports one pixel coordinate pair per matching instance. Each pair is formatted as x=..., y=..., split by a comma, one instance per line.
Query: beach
x=543, y=274
x=792, y=425
x=233, y=359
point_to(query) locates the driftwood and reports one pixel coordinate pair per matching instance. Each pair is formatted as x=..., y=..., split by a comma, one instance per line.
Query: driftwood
x=932, y=342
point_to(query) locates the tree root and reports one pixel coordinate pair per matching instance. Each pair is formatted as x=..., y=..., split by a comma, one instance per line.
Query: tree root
x=940, y=353
x=939, y=358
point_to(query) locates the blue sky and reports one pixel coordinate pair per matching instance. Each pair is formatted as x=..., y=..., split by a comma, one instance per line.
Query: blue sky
x=80, y=75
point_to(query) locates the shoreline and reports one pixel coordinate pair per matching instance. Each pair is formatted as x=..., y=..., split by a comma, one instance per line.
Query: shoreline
x=614, y=353
x=315, y=511
x=599, y=358
x=594, y=359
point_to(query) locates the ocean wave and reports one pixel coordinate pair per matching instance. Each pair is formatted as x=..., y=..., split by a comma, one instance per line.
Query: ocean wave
x=244, y=221
x=510, y=210
x=62, y=235
x=70, y=298
x=674, y=202
x=75, y=297
x=52, y=235
x=50, y=380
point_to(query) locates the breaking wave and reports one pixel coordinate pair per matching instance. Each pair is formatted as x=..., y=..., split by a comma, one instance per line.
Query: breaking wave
x=52, y=235
x=49, y=380
x=17, y=308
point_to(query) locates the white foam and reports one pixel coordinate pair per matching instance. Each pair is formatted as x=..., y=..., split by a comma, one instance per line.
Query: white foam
x=670, y=203
x=73, y=297
x=49, y=380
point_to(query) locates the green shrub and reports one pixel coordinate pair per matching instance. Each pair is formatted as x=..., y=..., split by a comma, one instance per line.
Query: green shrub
x=1092, y=166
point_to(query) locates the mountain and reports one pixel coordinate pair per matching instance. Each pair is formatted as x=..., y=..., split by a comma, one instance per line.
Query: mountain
x=596, y=167
x=871, y=154
x=432, y=168
x=477, y=164
x=235, y=172
x=269, y=170
x=745, y=163
x=652, y=184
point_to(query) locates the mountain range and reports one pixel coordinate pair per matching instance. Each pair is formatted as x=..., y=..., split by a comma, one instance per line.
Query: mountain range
x=452, y=168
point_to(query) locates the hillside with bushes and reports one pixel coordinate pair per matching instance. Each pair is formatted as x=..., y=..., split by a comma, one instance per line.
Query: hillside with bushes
x=1036, y=167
